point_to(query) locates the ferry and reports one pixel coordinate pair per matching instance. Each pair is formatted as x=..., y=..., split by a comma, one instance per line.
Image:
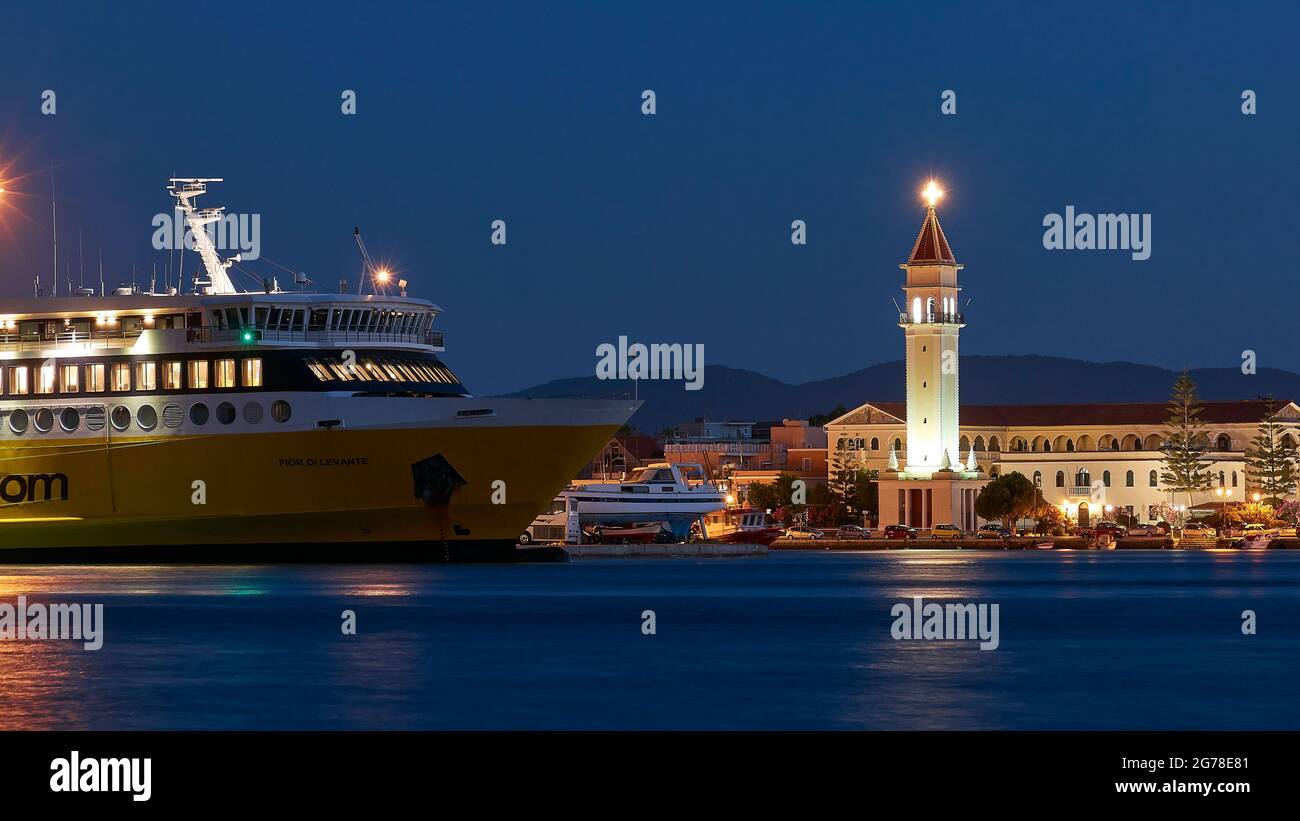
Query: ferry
x=319, y=425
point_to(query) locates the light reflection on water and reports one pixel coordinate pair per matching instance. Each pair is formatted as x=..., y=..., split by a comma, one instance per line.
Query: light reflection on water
x=793, y=640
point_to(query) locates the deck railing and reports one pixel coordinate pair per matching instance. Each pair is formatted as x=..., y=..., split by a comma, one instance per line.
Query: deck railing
x=118, y=338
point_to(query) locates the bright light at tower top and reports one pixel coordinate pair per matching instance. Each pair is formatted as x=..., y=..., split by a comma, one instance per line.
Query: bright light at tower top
x=932, y=193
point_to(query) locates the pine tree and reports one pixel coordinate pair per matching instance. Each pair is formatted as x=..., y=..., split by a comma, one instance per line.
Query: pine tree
x=1270, y=464
x=1186, y=470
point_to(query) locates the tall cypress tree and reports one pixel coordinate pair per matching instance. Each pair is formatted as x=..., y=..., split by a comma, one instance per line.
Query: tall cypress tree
x=1186, y=470
x=1270, y=464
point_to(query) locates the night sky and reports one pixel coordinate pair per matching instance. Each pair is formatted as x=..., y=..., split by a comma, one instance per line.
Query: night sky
x=676, y=227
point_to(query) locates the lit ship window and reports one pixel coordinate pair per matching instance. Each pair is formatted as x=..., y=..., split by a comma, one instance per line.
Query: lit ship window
x=198, y=375
x=68, y=378
x=146, y=376
x=95, y=378
x=120, y=376
x=172, y=376
x=225, y=374
x=321, y=372
x=45, y=378
x=252, y=376
x=18, y=381
x=340, y=371
x=280, y=410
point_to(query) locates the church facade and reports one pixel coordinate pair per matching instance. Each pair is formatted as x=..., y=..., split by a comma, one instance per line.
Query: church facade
x=1091, y=460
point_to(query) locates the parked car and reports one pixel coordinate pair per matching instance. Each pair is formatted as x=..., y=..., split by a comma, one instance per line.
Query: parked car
x=1253, y=527
x=1197, y=527
x=852, y=532
x=900, y=532
x=1145, y=530
x=992, y=531
x=803, y=532
x=1114, y=529
x=945, y=531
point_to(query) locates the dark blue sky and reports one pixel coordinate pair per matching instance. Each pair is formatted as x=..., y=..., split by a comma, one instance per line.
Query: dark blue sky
x=675, y=228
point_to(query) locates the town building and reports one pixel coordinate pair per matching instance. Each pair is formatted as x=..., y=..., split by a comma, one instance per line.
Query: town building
x=1092, y=460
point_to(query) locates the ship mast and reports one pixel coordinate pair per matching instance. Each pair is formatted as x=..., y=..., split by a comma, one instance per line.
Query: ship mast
x=186, y=189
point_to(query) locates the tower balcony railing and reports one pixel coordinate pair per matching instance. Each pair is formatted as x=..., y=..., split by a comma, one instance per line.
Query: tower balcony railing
x=934, y=319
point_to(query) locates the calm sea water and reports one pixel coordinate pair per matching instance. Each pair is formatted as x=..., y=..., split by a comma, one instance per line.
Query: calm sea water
x=791, y=640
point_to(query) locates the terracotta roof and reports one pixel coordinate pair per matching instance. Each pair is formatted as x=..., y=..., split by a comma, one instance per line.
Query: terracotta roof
x=931, y=244
x=1128, y=413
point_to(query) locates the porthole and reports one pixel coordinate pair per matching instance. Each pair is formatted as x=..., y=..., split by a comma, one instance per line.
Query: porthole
x=253, y=412
x=146, y=417
x=44, y=420
x=225, y=413
x=69, y=419
x=121, y=417
x=199, y=413
x=173, y=416
x=18, y=421
x=95, y=419
x=280, y=410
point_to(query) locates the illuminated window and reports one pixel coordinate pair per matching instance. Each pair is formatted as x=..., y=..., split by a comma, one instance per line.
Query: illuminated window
x=172, y=376
x=45, y=378
x=18, y=385
x=68, y=378
x=252, y=375
x=916, y=309
x=225, y=374
x=339, y=371
x=119, y=374
x=146, y=376
x=375, y=371
x=320, y=371
x=198, y=373
x=95, y=377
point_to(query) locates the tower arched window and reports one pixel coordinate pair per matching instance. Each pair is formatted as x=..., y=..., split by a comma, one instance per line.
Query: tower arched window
x=1152, y=479
x=898, y=444
x=1223, y=442
x=993, y=444
x=1234, y=478
x=875, y=443
x=1082, y=478
x=916, y=309
x=1128, y=479
x=1221, y=478
x=1069, y=445
x=1060, y=478
x=1105, y=478
x=1038, y=478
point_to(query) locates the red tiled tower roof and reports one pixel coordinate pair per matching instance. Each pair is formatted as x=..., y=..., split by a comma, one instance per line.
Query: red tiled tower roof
x=931, y=244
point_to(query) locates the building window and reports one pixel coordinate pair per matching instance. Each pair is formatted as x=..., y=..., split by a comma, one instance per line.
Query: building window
x=198, y=374
x=1152, y=479
x=45, y=378
x=875, y=443
x=120, y=377
x=68, y=381
x=225, y=373
x=1225, y=443
x=1060, y=478
x=95, y=377
x=1038, y=478
x=1128, y=479
x=146, y=376
x=252, y=376
x=807, y=464
x=1105, y=478
x=1234, y=478
x=172, y=376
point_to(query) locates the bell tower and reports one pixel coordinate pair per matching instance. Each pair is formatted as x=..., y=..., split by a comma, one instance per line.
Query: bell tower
x=933, y=486
x=930, y=324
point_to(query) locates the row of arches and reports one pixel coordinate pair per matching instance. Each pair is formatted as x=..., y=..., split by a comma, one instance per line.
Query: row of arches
x=1083, y=478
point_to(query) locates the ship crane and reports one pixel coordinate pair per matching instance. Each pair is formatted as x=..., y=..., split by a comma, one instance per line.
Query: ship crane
x=186, y=190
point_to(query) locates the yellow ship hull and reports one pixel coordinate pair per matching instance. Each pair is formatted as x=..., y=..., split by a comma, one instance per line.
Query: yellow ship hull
x=304, y=493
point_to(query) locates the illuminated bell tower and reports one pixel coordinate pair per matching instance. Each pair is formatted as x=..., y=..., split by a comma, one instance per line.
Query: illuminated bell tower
x=931, y=322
